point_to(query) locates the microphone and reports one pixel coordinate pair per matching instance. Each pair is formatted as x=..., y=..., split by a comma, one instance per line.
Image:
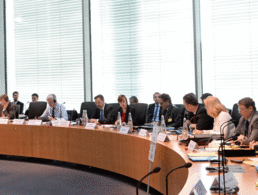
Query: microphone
x=186, y=165
x=233, y=137
x=228, y=122
x=155, y=170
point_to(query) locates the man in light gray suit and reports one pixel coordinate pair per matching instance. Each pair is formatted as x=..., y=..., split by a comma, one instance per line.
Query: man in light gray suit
x=248, y=123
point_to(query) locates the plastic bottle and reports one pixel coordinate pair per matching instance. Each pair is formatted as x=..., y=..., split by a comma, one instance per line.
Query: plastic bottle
x=130, y=122
x=163, y=124
x=84, y=118
x=119, y=122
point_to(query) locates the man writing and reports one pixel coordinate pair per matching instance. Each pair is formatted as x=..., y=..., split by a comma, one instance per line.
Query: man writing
x=104, y=112
x=7, y=109
x=248, y=123
x=198, y=117
x=54, y=110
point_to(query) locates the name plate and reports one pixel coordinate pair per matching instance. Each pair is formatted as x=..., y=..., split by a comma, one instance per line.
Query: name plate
x=64, y=123
x=198, y=189
x=156, y=129
x=163, y=137
x=124, y=130
x=143, y=133
x=35, y=122
x=54, y=123
x=4, y=121
x=152, y=152
x=192, y=145
x=18, y=121
x=90, y=126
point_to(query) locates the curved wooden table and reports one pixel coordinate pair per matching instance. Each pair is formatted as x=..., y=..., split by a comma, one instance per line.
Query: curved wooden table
x=104, y=149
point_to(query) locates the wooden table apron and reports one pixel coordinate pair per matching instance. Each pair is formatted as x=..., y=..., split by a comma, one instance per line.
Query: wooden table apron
x=104, y=149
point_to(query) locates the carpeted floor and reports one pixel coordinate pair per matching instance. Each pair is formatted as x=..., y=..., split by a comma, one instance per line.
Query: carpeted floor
x=36, y=176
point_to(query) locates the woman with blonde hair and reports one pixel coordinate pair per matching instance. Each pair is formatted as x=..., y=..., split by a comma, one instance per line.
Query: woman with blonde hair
x=220, y=114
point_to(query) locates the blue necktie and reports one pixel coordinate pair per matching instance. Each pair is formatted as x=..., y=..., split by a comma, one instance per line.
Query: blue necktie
x=101, y=114
x=155, y=113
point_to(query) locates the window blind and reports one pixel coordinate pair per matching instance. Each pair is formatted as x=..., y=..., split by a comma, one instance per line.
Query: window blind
x=140, y=47
x=45, y=50
x=230, y=49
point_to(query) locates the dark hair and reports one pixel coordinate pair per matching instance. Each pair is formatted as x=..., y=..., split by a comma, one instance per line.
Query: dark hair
x=134, y=98
x=5, y=97
x=15, y=92
x=121, y=97
x=165, y=97
x=99, y=96
x=190, y=98
x=247, y=102
x=35, y=94
x=156, y=93
x=205, y=95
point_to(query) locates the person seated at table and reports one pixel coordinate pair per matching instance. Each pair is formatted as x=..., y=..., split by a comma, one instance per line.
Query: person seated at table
x=7, y=109
x=220, y=114
x=54, y=110
x=154, y=110
x=104, y=112
x=197, y=116
x=17, y=102
x=34, y=98
x=171, y=113
x=247, y=128
x=125, y=109
x=133, y=100
x=204, y=96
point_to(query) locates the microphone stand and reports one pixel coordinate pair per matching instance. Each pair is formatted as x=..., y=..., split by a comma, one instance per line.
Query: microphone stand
x=155, y=170
x=222, y=149
x=187, y=165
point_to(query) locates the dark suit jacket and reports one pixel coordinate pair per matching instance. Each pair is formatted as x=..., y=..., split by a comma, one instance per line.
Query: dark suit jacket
x=133, y=113
x=150, y=113
x=10, y=110
x=21, y=106
x=109, y=115
x=252, y=128
x=172, y=116
x=203, y=120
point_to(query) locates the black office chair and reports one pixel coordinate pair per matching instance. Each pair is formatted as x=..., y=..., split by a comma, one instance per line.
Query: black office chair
x=72, y=115
x=235, y=114
x=90, y=107
x=116, y=107
x=181, y=108
x=141, y=112
x=36, y=109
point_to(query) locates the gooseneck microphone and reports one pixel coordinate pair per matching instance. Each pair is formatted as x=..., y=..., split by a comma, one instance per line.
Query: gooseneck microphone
x=186, y=165
x=155, y=170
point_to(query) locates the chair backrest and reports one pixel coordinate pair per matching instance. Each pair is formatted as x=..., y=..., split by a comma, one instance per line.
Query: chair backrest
x=17, y=111
x=89, y=106
x=36, y=109
x=181, y=108
x=72, y=115
x=235, y=114
x=116, y=107
x=141, y=112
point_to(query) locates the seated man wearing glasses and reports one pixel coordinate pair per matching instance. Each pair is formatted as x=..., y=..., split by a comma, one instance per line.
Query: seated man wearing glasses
x=247, y=128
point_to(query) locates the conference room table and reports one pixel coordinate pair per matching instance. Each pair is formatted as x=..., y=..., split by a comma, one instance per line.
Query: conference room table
x=107, y=149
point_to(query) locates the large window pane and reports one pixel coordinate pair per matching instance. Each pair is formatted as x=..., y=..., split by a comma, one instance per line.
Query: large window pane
x=45, y=50
x=140, y=47
x=230, y=49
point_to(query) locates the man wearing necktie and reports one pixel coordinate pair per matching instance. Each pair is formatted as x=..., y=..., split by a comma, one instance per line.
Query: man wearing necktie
x=103, y=112
x=248, y=123
x=197, y=116
x=154, y=110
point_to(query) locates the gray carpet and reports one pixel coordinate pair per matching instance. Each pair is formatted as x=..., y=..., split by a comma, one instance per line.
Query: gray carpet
x=17, y=176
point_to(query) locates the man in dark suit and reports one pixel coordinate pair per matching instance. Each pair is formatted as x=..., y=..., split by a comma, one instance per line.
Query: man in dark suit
x=17, y=102
x=104, y=112
x=154, y=110
x=248, y=123
x=198, y=117
x=171, y=113
x=7, y=109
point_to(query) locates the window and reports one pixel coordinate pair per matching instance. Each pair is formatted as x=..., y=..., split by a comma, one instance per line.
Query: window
x=142, y=47
x=45, y=50
x=230, y=49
